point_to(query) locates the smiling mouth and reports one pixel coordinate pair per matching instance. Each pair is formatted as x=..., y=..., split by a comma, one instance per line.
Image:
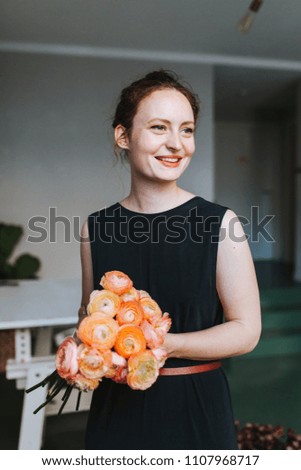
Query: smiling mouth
x=169, y=159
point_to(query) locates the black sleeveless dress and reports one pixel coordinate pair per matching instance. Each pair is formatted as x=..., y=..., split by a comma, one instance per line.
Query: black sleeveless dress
x=172, y=255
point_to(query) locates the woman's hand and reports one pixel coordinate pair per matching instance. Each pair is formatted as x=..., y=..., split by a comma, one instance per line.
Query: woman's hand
x=168, y=344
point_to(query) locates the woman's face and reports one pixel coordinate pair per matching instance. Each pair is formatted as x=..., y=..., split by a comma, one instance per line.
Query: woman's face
x=161, y=142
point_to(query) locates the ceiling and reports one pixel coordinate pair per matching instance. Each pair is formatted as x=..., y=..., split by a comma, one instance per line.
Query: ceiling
x=196, y=28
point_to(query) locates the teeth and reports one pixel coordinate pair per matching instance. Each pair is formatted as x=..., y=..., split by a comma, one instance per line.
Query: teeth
x=172, y=160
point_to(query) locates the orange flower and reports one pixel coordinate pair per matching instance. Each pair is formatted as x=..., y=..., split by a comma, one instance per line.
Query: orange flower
x=151, y=309
x=130, y=312
x=103, y=301
x=98, y=331
x=129, y=340
x=143, y=370
x=83, y=383
x=116, y=281
x=92, y=363
x=66, y=358
x=132, y=294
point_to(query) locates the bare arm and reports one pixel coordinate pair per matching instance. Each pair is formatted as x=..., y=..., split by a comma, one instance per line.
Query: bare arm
x=87, y=270
x=237, y=288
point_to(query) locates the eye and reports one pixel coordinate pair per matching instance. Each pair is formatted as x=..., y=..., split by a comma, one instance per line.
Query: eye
x=188, y=130
x=159, y=127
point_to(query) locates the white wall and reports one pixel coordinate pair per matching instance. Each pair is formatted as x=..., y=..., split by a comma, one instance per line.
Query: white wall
x=56, y=144
x=249, y=173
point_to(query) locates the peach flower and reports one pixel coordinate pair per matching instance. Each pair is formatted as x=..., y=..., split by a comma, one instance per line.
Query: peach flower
x=130, y=312
x=116, y=281
x=103, y=301
x=98, y=331
x=92, y=363
x=132, y=294
x=143, y=370
x=143, y=293
x=151, y=309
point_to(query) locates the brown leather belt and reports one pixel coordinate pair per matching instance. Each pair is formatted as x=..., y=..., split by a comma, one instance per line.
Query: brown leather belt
x=190, y=369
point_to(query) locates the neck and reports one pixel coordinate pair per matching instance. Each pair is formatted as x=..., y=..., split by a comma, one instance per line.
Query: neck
x=151, y=196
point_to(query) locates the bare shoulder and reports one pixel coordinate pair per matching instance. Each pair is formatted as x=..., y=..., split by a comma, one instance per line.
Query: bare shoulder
x=233, y=255
x=231, y=229
x=85, y=247
x=236, y=280
x=85, y=231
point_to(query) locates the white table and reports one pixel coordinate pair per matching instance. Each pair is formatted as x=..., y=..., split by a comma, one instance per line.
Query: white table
x=36, y=307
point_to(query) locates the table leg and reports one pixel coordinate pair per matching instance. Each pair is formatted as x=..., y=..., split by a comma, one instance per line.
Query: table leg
x=22, y=351
x=31, y=430
x=22, y=345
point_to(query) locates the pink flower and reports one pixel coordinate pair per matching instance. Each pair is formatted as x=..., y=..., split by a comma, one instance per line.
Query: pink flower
x=153, y=340
x=120, y=375
x=118, y=370
x=66, y=358
x=163, y=324
x=161, y=356
x=156, y=330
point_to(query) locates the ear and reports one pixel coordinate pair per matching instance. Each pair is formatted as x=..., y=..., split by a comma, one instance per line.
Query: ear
x=121, y=137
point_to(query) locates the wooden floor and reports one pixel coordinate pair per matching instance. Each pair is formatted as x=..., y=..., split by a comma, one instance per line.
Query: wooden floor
x=265, y=390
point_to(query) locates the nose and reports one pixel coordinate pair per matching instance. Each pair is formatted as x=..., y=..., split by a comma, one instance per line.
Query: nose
x=174, y=142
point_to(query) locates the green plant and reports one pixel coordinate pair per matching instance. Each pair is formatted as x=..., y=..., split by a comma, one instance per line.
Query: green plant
x=25, y=266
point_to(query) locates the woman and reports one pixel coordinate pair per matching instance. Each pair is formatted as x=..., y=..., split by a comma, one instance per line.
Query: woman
x=193, y=258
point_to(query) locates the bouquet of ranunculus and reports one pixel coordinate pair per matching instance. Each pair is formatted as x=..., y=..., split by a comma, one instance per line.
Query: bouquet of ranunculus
x=120, y=339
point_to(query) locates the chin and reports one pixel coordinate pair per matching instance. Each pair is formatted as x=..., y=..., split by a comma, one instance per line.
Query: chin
x=168, y=178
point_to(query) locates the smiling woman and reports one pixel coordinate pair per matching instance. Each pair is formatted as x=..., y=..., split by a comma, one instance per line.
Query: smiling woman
x=204, y=279
x=162, y=135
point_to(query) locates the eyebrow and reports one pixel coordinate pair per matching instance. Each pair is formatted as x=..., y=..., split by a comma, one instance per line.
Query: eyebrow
x=168, y=122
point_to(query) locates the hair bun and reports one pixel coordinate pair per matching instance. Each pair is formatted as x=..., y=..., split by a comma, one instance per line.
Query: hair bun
x=162, y=75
